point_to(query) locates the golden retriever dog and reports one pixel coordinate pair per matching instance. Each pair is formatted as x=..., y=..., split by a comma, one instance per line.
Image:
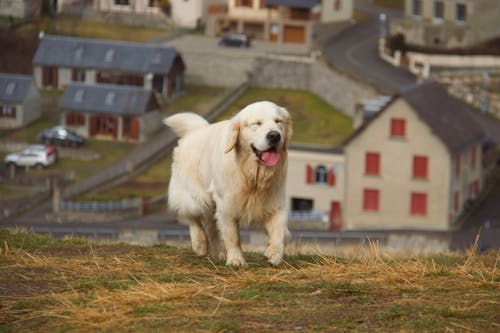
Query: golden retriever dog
x=231, y=174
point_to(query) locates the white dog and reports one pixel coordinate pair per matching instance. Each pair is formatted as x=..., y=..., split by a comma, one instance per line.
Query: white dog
x=231, y=173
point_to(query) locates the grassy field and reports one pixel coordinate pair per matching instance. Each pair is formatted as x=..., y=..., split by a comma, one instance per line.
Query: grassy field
x=58, y=286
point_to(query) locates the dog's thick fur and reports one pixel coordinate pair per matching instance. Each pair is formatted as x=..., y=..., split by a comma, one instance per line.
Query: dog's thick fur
x=231, y=173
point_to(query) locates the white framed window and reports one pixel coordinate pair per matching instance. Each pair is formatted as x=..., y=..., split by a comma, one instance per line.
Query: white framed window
x=461, y=12
x=438, y=11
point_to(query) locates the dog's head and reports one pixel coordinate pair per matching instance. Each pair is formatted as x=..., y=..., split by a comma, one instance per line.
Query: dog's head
x=262, y=129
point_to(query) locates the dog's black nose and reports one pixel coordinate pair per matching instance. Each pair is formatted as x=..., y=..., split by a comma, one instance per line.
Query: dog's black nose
x=273, y=137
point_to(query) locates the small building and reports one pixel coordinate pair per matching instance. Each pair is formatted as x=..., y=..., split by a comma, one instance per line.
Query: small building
x=193, y=13
x=59, y=61
x=20, y=8
x=277, y=21
x=316, y=184
x=415, y=164
x=112, y=112
x=448, y=23
x=19, y=101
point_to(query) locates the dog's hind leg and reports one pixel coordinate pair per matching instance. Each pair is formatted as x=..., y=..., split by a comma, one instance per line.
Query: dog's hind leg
x=216, y=247
x=198, y=237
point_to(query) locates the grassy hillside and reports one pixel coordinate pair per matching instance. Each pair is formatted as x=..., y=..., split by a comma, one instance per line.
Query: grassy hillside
x=56, y=286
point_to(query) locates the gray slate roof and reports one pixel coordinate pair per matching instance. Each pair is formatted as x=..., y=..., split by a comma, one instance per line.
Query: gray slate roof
x=106, y=99
x=14, y=88
x=293, y=3
x=451, y=120
x=75, y=52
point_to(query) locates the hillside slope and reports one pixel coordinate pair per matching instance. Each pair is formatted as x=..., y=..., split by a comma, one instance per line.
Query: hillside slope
x=49, y=285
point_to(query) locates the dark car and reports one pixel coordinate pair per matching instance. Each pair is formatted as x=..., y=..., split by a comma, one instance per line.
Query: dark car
x=59, y=135
x=238, y=40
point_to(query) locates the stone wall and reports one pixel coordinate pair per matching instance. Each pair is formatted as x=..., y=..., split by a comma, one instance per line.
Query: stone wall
x=304, y=73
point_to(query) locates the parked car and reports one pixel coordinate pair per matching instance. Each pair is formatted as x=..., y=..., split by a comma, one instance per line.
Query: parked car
x=238, y=40
x=38, y=156
x=60, y=135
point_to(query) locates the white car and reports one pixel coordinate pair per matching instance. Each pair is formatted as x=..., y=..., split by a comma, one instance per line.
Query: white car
x=38, y=156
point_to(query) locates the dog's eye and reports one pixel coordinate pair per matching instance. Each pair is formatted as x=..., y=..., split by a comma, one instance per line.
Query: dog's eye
x=256, y=123
x=278, y=121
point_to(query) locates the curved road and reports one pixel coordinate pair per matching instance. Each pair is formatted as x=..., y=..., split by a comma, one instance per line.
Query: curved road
x=355, y=51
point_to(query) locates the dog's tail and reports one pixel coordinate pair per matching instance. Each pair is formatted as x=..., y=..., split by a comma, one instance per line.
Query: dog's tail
x=183, y=123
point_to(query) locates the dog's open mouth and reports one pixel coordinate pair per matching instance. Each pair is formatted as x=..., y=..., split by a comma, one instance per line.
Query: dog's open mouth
x=269, y=157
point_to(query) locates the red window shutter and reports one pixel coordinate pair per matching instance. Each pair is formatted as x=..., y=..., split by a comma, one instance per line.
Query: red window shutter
x=420, y=166
x=457, y=166
x=419, y=204
x=477, y=187
x=309, y=174
x=372, y=164
x=473, y=157
x=371, y=200
x=398, y=127
x=331, y=177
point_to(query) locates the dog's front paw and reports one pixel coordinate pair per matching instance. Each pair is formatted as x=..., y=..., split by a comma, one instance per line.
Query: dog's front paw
x=235, y=259
x=274, y=255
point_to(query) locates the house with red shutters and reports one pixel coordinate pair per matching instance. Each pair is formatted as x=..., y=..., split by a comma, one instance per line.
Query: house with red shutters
x=415, y=164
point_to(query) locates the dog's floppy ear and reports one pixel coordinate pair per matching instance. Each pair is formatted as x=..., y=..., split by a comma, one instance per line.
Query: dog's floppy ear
x=235, y=132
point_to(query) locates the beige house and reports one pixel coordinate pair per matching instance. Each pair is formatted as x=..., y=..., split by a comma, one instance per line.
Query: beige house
x=316, y=186
x=448, y=23
x=415, y=164
x=19, y=100
x=280, y=21
x=191, y=13
x=128, y=6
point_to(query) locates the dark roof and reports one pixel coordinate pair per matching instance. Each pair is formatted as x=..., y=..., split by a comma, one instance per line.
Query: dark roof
x=448, y=118
x=14, y=88
x=293, y=3
x=75, y=52
x=107, y=99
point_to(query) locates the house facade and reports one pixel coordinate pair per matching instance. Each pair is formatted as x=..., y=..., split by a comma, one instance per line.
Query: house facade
x=448, y=23
x=415, y=164
x=19, y=101
x=279, y=21
x=60, y=61
x=317, y=187
x=191, y=13
x=20, y=8
x=110, y=112
x=128, y=6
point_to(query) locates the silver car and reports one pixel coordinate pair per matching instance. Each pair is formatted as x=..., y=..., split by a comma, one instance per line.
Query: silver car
x=38, y=156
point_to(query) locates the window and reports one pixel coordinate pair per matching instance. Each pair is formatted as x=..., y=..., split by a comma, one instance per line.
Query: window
x=371, y=200
x=418, y=204
x=320, y=175
x=302, y=204
x=457, y=166
x=416, y=8
x=9, y=90
x=337, y=5
x=109, y=55
x=398, y=128
x=75, y=119
x=456, y=202
x=7, y=111
x=438, y=10
x=153, y=3
x=78, y=98
x=110, y=98
x=420, y=167
x=244, y=3
x=473, y=157
x=372, y=164
x=122, y=2
x=461, y=12
x=78, y=75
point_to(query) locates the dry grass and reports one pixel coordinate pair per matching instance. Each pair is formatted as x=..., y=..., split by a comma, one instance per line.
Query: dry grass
x=48, y=285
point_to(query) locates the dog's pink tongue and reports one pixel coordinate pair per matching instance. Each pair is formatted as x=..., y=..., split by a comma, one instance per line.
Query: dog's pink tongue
x=270, y=158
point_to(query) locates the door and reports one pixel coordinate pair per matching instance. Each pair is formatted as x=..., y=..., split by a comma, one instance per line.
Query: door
x=293, y=34
x=335, y=217
x=130, y=128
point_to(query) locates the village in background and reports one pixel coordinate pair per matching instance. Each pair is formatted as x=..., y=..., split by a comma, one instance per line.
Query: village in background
x=396, y=110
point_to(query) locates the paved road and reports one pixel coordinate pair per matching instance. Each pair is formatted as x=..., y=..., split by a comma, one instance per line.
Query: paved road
x=355, y=51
